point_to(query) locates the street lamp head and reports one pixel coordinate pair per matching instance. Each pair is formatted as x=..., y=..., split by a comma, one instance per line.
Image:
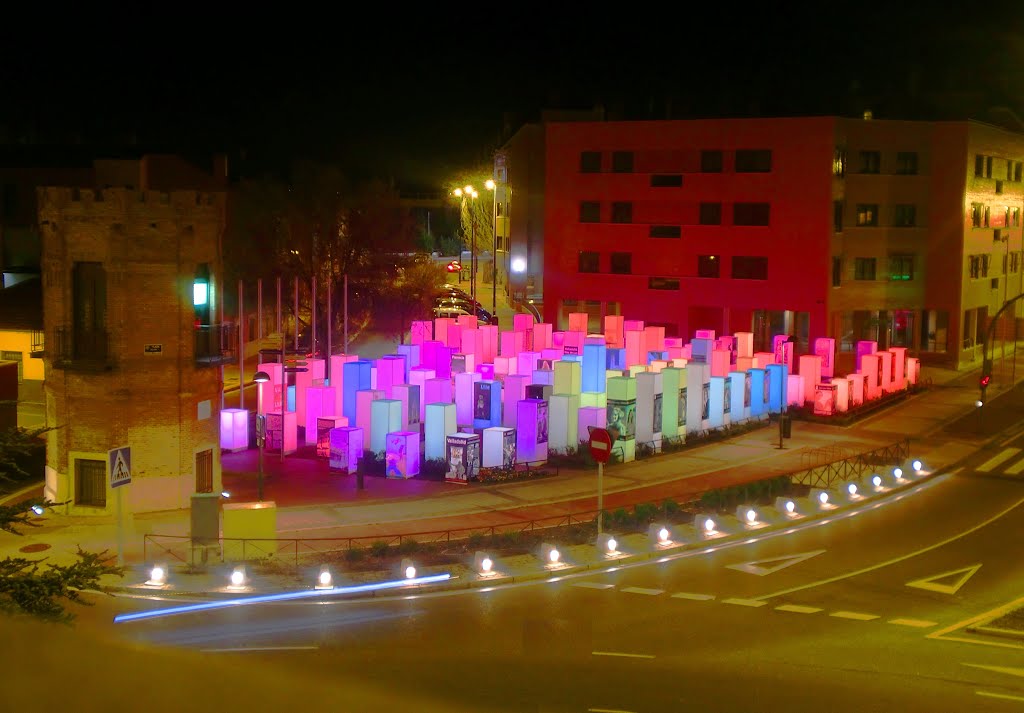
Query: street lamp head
x=261, y=377
x=489, y=184
x=473, y=194
x=468, y=188
x=457, y=193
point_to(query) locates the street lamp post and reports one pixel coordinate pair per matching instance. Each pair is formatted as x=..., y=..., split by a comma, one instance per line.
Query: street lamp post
x=260, y=377
x=492, y=187
x=470, y=193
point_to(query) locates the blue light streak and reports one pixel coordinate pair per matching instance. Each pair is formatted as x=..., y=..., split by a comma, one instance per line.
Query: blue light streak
x=285, y=596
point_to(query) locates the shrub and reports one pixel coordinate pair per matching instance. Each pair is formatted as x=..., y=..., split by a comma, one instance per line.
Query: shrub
x=355, y=554
x=670, y=508
x=476, y=540
x=408, y=546
x=645, y=513
x=379, y=549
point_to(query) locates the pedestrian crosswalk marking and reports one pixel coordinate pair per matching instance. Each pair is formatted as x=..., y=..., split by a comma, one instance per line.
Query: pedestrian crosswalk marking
x=1004, y=455
x=1016, y=468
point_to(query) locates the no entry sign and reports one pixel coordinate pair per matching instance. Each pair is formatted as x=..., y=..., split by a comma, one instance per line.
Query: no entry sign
x=600, y=444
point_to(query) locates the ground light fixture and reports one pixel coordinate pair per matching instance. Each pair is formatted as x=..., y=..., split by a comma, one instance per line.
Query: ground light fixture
x=787, y=506
x=873, y=483
x=37, y=509
x=483, y=564
x=705, y=525
x=408, y=569
x=157, y=575
x=238, y=580
x=324, y=580
x=918, y=466
x=550, y=555
x=897, y=473
x=608, y=545
x=822, y=499
x=225, y=494
x=660, y=535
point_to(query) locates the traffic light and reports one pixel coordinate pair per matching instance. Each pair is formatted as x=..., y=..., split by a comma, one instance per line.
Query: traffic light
x=985, y=379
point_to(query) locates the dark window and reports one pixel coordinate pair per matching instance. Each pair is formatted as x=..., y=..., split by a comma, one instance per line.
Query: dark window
x=622, y=263
x=867, y=214
x=837, y=216
x=1018, y=173
x=711, y=161
x=590, y=212
x=663, y=283
x=837, y=271
x=979, y=165
x=988, y=167
x=906, y=163
x=590, y=162
x=905, y=215
x=89, y=310
x=864, y=268
x=746, y=267
x=977, y=210
x=622, y=162
x=622, y=212
x=589, y=261
x=665, y=231
x=204, y=471
x=10, y=202
x=90, y=482
x=901, y=267
x=751, y=213
x=870, y=162
x=666, y=180
x=708, y=266
x=999, y=186
x=1009, y=170
x=710, y=213
x=987, y=216
x=753, y=161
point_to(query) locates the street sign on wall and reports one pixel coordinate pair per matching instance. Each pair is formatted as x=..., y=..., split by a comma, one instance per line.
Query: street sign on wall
x=120, y=460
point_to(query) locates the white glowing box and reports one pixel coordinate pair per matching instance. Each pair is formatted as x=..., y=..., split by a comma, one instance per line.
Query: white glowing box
x=315, y=369
x=698, y=396
x=346, y=448
x=590, y=416
x=269, y=392
x=364, y=412
x=320, y=401
x=488, y=343
x=463, y=457
x=532, y=431
x=504, y=366
x=402, y=454
x=568, y=377
x=464, y=405
x=274, y=435
x=419, y=377
x=649, y=409
x=385, y=418
x=825, y=347
x=825, y=399
x=421, y=331
x=842, y=394
x=810, y=370
x=563, y=424
x=795, y=390
x=499, y=447
x=578, y=321
x=613, y=331
x=439, y=424
x=541, y=336
x=716, y=402
x=234, y=429
x=526, y=362
x=514, y=391
x=390, y=373
x=441, y=325
x=324, y=426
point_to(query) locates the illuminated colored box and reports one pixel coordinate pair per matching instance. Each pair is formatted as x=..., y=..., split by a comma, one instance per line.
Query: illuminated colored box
x=578, y=322
x=539, y=391
x=698, y=392
x=739, y=396
x=795, y=390
x=419, y=377
x=320, y=401
x=654, y=339
x=364, y=413
x=857, y=388
x=438, y=390
x=573, y=343
x=842, y=395
x=522, y=322
x=440, y=423
x=486, y=404
x=613, y=331
x=716, y=405
x=824, y=399
x=885, y=379
x=505, y=365
x=463, y=454
x=411, y=352
x=390, y=371
x=291, y=398
x=552, y=353
x=234, y=429
x=421, y=331
x=700, y=350
x=402, y=454
x=466, y=321
x=758, y=392
x=615, y=359
x=563, y=424
x=557, y=340
x=532, y=431
x=303, y=380
x=514, y=391
x=453, y=337
x=594, y=398
x=590, y=416
x=744, y=363
x=472, y=344
x=512, y=343
x=409, y=395
x=913, y=369
x=621, y=409
x=704, y=334
x=632, y=325
x=274, y=435
x=499, y=447
x=635, y=353
x=649, y=409
x=568, y=377
x=385, y=418
x=763, y=359
x=777, y=387
x=356, y=378
x=721, y=362
x=637, y=369
x=443, y=362
x=346, y=448
x=543, y=376
x=825, y=347
x=871, y=368
x=462, y=363
x=441, y=325
x=324, y=426
x=488, y=342
x=673, y=402
x=428, y=353
x=464, y=397
x=269, y=392
x=864, y=348
x=744, y=344
x=541, y=336
x=899, y=367
x=527, y=362
x=486, y=371
x=247, y=521
x=595, y=364
x=337, y=364
x=810, y=369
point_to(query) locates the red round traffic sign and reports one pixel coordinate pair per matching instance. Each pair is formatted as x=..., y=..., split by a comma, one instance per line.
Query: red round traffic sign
x=600, y=444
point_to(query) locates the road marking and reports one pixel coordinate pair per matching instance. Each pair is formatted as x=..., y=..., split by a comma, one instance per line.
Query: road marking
x=995, y=460
x=773, y=564
x=642, y=590
x=241, y=649
x=623, y=655
x=1003, y=696
x=896, y=560
x=916, y=623
x=608, y=710
x=856, y=616
x=744, y=602
x=1016, y=468
x=929, y=583
x=593, y=585
x=998, y=669
x=798, y=609
x=695, y=597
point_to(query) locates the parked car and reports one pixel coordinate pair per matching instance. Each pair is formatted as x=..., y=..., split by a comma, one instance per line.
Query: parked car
x=464, y=307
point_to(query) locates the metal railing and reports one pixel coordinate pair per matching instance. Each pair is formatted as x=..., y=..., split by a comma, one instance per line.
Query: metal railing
x=847, y=467
x=75, y=348
x=214, y=344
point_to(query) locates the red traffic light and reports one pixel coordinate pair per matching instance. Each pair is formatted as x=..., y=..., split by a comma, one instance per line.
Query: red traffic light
x=984, y=381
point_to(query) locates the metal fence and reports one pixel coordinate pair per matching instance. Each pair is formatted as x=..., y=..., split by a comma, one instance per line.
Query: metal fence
x=832, y=464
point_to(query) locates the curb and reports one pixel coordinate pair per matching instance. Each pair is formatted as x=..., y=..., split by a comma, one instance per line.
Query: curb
x=18, y=493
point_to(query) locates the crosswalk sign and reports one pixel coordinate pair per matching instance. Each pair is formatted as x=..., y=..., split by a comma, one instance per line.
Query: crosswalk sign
x=120, y=460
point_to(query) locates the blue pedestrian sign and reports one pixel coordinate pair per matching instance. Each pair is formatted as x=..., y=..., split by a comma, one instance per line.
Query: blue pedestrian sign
x=120, y=460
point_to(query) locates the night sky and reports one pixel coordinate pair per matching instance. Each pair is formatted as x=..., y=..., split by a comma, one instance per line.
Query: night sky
x=420, y=99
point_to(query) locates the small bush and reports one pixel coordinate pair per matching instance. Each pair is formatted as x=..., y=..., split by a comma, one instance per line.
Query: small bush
x=355, y=554
x=379, y=549
x=476, y=540
x=408, y=547
x=670, y=508
x=645, y=513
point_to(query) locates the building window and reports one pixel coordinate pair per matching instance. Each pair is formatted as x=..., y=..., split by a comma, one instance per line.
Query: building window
x=999, y=187
x=987, y=216
x=665, y=231
x=1015, y=216
x=1018, y=172
x=749, y=268
x=905, y=215
x=839, y=162
x=867, y=214
x=979, y=165
x=708, y=265
x=751, y=213
x=622, y=162
x=204, y=471
x=590, y=212
x=864, y=268
x=753, y=161
x=666, y=180
x=90, y=482
x=711, y=161
x=622, y=263
x=588, y=261
x=837, y=271
x=590, y=162
x=977, y=266
x=988, y=167
x=870, y=162
x=936, y=330
x=977, y=211
x=1009, y=170
x=837, y=216
x=1015, y=258
x=622, y=212
x=901, y=267
x=89, y=311
x=710, y=213
x=663, y=283
x=906, y=163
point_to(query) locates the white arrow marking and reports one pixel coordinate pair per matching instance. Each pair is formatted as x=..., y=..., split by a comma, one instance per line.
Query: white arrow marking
x=930, y=584
x=998, y=669
x=773, y=564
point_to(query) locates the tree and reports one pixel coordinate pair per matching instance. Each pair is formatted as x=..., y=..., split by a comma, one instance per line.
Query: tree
x=12, y=516
x=18, y=446
x=27, y=587
x=411, y=296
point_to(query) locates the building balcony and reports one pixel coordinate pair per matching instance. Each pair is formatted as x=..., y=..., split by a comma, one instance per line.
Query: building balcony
x=81, y=350
x=37, y=350
x=214, y=344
